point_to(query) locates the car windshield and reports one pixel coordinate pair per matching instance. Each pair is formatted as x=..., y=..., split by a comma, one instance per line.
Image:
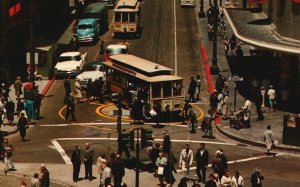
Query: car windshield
x=91, y=68
x=69, y=58
x=114, y=51
x=85, y=26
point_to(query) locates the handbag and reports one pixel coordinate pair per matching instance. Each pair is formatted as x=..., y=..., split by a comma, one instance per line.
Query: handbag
x=160, y=170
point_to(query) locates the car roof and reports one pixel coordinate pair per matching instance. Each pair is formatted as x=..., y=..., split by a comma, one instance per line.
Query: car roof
x=72, y=53
x=117, y=46
x=87, y=21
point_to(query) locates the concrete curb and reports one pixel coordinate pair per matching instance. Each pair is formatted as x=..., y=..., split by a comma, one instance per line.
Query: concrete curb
x=253, y=142
x=20, y=175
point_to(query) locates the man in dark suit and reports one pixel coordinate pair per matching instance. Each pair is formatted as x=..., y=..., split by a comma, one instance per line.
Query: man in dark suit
x=44, y=176
x=202, y=161
x=118, y=171
x=76, y=161
x=88, y=161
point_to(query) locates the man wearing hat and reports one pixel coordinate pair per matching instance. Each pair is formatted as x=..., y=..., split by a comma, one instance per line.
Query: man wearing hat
x=18, y=87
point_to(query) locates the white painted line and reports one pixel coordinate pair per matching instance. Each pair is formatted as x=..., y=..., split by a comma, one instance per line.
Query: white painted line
x=61, y=152
x=104, y=123
x=175, y=39
x=238, y=161
x=159, y=140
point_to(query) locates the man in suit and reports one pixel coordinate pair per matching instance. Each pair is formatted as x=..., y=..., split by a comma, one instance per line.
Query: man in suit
x=88, y=161
x=76, y=161
x=202, y=161
x=118, y=170
x=44, y=176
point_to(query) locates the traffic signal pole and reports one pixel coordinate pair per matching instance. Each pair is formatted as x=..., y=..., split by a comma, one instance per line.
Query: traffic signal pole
x=137, y=169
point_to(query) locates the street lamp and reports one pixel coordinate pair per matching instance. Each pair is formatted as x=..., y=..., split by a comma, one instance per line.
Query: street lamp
x=201, y=12
x=214, y=69
x=31, y=17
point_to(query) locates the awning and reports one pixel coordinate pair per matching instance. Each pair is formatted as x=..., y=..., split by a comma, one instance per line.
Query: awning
x=256, y=29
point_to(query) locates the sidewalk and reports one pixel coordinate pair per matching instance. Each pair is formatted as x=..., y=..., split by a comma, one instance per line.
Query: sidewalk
x=43, y=86
x=253, y=135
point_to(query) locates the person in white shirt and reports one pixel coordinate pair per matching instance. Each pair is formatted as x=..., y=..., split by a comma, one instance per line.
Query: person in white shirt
x=186, y=160
x=237, y=180
x=106, y=175
x=161, y=161
x=272, y=97
x=247, y=104
x=226, y=180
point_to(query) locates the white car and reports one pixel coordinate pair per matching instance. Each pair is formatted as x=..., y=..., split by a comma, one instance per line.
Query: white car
x=115, y=49
x=70, y=63
x=94, y=71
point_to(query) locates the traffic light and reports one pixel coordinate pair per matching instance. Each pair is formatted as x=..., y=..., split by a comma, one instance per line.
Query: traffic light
x=146, y=137
x=127, y=139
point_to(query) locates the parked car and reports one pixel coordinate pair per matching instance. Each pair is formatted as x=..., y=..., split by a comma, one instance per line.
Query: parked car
x=70, y=63
x=93, y=70
x=115, y=49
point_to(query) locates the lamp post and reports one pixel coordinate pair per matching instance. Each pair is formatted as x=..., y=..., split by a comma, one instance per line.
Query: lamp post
x=214, y=69
x=201, y=12
x=31, y=18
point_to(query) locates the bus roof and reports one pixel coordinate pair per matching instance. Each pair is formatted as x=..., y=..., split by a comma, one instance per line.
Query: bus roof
x=140, y=65
x=95, y=7
x=158, y=78
x=127, y=6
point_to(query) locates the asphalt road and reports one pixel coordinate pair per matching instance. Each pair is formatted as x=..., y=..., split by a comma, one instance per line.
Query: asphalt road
x=157, y=44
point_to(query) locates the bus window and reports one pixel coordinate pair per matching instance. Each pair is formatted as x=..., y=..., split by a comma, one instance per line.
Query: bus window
x=117, y=17
x=156, y=90
x=177, y=88
x=124, y=17
x=167, y=89
x=132, y=17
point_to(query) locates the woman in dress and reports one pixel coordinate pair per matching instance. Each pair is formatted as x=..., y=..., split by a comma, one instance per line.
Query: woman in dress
x=78, y=94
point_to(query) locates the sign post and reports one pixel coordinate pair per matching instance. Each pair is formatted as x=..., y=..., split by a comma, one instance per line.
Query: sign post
x=235, y=78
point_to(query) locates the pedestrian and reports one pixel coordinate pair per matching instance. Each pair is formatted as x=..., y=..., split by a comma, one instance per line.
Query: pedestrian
x=258, y=104
x=20, y=107
x=269, y=139
x=213, y=101
x=220, y=83
x=211, y=182
x=186, y=107
x=198, y=88
x=44, y=177
x=237, y=180
x=118, y=171
x=196, y=183
x=232, y=42
x=272, y=97
x=220, y=104
x=206, y=125
x=34, y=181
x=18, y=87
x=8, y=150
x=246, y=118
x=161, y=161
x=223, y=158
x=106, y=175
x=67, y=86
x=123, y=147
x=226, y=179
x=201, y=160
x=37, y=102
x=210, y=32
x=89, y=90
x=168, y=172
x=263, y=103
x=186, y=160
x=88, y=161
x=154, y=154
x=76, y=162
x=192, y=89
x=10, y=109
x=78, y=88
x=217, y=165
x=70, y=109
x=166, y=143
x=30, y=112
x=256, y=178
x=183, y=182
x=22, y=125
x=239, y=52
x=225, y=106
x=100, y=166
x=192, y=121
x=226, y=45
x=209, y=14
x=4, y=91
x=247, y=104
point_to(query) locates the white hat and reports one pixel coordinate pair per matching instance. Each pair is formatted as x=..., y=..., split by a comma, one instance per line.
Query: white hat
x=3, y=84
x=218, y=152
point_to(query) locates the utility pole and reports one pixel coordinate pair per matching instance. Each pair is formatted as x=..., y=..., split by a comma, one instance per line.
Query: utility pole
x=137, y=166
x=31, y=18
x=214, y=69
